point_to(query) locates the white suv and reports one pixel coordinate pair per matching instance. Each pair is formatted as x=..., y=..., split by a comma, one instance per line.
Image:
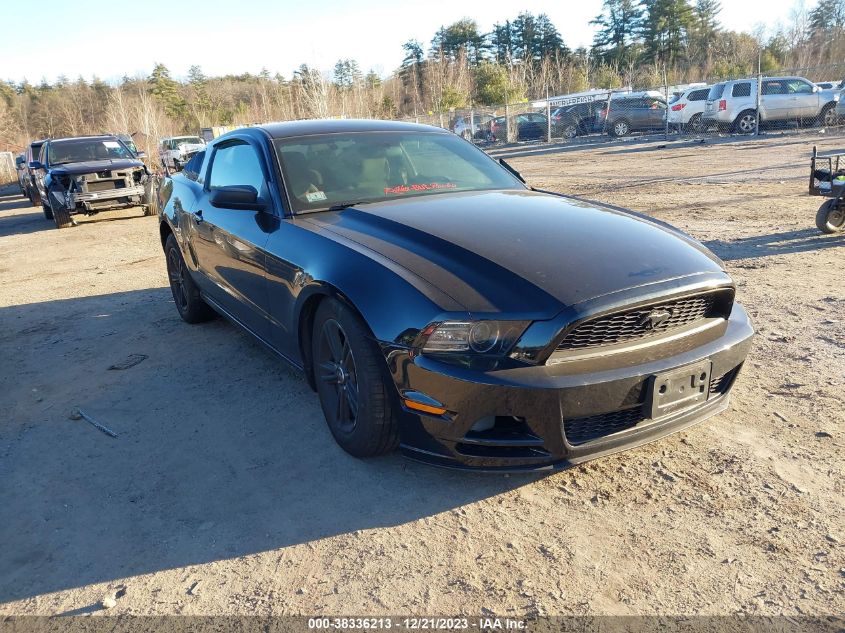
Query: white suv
x=686, y=109
x=732, y=104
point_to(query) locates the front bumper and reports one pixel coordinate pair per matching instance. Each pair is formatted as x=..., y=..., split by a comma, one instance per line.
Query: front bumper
x=106, y=194
x=550, y=416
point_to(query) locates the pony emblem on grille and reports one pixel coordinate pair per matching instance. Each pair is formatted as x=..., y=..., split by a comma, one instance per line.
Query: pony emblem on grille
x=654, y=318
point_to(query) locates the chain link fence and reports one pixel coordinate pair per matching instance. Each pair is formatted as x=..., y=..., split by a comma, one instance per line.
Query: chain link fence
x=745, y=104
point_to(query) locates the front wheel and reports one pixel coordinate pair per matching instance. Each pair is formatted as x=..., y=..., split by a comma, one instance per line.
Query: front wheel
x=620, y=128
x=351, y=383
x=189, y=303
x=830, y=217
x=828, y=117
x=58, y=208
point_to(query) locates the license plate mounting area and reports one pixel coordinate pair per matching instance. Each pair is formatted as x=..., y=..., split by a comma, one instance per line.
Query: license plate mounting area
x=679, y=389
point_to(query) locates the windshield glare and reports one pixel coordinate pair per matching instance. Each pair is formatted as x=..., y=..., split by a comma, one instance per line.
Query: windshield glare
x=78, y=151
x=330, y=169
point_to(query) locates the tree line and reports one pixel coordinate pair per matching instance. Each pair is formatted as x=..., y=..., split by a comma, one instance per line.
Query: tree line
x=638, y=43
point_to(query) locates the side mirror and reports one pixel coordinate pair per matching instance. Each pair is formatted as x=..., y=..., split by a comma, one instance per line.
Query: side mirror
x=36, y=164
x=816, y=89
x=243, y=197
x=141, y=153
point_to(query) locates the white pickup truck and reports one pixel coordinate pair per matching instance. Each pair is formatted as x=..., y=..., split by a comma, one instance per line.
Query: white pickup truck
x=175, y=151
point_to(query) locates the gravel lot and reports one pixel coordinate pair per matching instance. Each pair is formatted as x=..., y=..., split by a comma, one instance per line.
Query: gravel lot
x=224, y=492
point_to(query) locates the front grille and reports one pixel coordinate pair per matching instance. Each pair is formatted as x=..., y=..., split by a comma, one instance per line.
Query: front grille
x=582, y=430
x=721, y=384
x=636, y=324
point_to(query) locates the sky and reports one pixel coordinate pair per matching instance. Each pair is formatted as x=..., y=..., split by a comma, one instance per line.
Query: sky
x=225, y=36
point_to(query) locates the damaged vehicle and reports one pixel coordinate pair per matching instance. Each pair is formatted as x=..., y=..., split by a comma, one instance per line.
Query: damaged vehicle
x=436, y=302
x=89, y=174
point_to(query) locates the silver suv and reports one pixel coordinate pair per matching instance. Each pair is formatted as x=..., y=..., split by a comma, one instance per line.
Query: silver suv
x=732, y=104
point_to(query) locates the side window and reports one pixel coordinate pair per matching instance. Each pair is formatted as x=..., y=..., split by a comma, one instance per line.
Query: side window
x=698, y=95
x=796, y=86
x=237, y=164
x=741, y=90
x=773, y=88
x=191, y=169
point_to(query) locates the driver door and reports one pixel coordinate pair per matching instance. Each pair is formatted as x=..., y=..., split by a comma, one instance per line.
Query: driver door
x=230, y=243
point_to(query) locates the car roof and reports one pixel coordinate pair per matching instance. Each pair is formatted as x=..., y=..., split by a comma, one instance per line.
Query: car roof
x=334, y=126
x=93, y=137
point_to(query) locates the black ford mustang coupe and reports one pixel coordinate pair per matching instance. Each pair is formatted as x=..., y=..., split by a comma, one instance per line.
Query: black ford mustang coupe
x=436, y=302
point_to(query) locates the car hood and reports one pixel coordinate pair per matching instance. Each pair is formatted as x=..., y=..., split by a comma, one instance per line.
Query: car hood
x=520, y=251
x=190, y=147
x=93, y=166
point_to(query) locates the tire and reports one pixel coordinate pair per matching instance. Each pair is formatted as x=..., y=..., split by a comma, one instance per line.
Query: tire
x=48, y=212
x=352, y=384
x=59, y=211
x=745, y=123
x=830, y=218
x=186, y=295
x=569, y=130
x=828, y=117
x=620, y=128
x=696, y=124
x=150, y=200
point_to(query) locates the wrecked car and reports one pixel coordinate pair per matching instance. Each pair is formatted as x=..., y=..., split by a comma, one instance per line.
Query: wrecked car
x=89, y=174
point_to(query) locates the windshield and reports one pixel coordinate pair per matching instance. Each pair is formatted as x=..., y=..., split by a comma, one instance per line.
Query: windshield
x=81, y=150
x=191, y=140
x=332, y=169
x=716, y=92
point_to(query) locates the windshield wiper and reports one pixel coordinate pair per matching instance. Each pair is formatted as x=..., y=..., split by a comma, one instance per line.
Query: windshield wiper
x=340, y=206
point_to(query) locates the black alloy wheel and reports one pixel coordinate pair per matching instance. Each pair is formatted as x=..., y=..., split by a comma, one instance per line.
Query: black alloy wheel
x=189, y=303
x=356, y=392
x=336, y=370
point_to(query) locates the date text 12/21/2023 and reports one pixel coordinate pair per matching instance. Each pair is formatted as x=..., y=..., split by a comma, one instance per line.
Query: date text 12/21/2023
x=417, y=623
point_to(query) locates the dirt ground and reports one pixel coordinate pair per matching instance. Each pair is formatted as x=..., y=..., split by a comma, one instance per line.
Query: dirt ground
x=224, y=492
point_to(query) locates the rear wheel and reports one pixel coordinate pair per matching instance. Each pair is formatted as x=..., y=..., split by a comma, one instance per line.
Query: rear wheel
x=60, y=211
x=746, y=122
x=620, y=128
x=189, y=303
x=830, y=217
x=351, y=382
x=696, y=123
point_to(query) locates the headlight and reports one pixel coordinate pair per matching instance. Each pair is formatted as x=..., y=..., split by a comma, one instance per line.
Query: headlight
x=480, y=337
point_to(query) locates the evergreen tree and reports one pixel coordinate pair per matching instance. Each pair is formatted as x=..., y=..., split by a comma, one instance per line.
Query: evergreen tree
x=501, y=43
x=462, y=35
x=666, y=29
x=620, y=23
x=705, y=26
x=166, y=91
x=827, y=16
